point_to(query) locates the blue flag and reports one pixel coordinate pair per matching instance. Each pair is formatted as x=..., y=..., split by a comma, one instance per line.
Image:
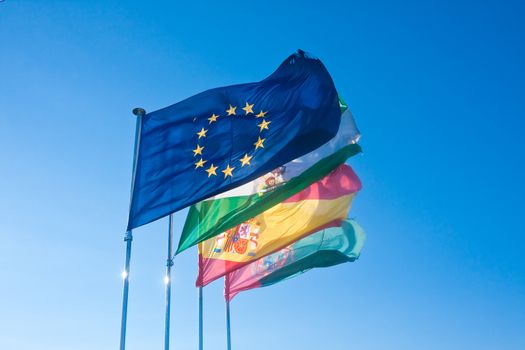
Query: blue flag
x=224, y=137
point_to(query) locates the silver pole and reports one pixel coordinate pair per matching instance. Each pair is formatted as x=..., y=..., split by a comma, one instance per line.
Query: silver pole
x=139, y=112
x=201, y=340
x=169, y=264
x=228, y=328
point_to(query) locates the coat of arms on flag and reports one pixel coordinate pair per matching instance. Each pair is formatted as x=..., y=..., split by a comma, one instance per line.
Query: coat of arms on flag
x=241, y=239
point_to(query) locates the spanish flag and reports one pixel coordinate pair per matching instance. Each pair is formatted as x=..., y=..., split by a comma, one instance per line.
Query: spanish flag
x=323, y=204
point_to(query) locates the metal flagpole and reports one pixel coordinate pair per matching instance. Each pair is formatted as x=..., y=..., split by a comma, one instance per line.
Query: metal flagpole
x=227, y=297
x=228, y=329
x=201, y=345
x=139, y=112
x=167, y=281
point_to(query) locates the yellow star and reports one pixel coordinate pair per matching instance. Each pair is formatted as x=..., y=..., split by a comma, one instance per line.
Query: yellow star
x=198, y=150
x=231, y=110
x=228, y=171
x=200, y=163
x=245, y=160
x=261, y=114
x=202, y=133
x=264, y=125
x=259, y=143
x=248, y=108
x=213, y=118
x=211, y=170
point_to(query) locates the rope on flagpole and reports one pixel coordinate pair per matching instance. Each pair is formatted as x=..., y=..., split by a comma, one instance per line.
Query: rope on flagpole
x=167, y=281
x=139, y=113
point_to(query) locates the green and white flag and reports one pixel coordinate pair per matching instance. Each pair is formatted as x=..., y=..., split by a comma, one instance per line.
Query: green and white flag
x=325, y=248
x=215, y=215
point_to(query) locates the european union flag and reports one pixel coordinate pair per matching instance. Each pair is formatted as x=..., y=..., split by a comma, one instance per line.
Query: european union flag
x=224, y=137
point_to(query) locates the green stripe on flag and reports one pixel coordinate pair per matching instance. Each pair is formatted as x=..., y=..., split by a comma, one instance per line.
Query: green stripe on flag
x=324, y=248
x=332, y=251
x=342, y=104
x=208, y=219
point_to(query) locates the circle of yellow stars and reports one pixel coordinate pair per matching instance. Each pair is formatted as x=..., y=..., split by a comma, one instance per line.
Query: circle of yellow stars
x=228, y=171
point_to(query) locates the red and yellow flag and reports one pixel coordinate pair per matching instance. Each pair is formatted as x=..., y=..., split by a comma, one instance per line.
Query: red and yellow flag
x=323, y=204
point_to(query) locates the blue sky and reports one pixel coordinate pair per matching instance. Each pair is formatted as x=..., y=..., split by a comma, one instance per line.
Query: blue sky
x=436, y=88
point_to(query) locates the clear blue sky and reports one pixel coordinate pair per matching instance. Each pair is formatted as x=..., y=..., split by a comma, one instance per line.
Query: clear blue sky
x=437, y=90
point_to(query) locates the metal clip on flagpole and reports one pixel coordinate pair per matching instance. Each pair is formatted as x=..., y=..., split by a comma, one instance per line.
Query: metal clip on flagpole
x=139, y=112
x=167, y=281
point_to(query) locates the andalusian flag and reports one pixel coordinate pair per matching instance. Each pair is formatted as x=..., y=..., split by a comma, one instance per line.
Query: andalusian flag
x=322, y=204
x=328, y=247
x=211, y=217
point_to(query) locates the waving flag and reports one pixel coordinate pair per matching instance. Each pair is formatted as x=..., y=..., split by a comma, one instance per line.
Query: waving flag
x=211, y=217
x=323, y=204
x=225, y=137
x=328, y=247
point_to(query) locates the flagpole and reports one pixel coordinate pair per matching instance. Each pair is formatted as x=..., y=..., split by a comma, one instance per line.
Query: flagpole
x=228, y=329
x=227, y=299
x=201, y=340
x=139, y=113
x=167, y=281
x=125, y=275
